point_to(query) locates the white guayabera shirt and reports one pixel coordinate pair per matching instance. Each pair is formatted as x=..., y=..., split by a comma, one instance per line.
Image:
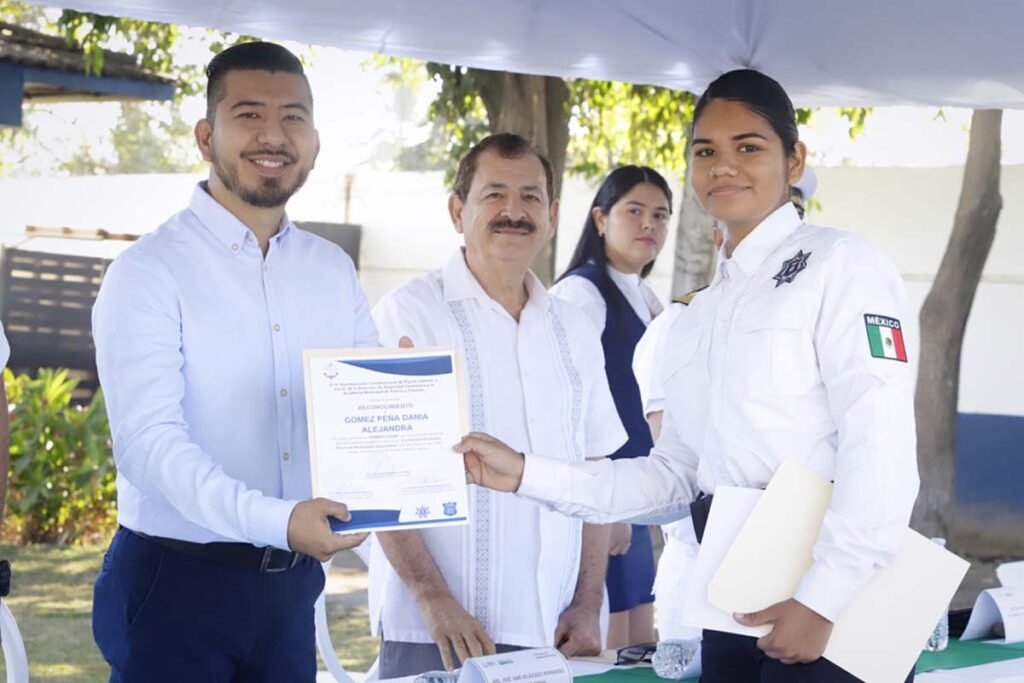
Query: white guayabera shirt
x=199, y=341
x=778, y=359
x=539, y=385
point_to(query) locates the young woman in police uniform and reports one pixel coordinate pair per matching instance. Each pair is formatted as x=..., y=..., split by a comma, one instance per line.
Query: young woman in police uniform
x=794, y=351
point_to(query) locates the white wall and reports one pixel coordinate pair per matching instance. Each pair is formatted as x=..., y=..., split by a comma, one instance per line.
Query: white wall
x=406, y=231
x=909, y=213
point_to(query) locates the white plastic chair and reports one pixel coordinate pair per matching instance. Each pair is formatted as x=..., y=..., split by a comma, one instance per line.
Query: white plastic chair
x=14, y=647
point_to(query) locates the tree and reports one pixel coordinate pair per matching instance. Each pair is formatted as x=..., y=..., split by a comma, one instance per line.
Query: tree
x=586, y=126
x=944, y=318
x=145, y=140
x=152, y=43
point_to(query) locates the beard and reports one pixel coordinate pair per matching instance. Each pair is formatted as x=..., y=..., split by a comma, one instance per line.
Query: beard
x=269, y=193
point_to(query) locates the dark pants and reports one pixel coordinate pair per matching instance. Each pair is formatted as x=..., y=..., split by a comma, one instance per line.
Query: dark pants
x=399, y=659
x=729, y=658
x=162, y=616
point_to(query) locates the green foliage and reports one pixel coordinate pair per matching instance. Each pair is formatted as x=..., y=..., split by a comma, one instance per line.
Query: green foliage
x=11, y=142
x=146, y=139
x=856, y=117
x=460, y=116
x=153, y=44
x=22, y=14
x=150, y=41
x=62, y=476
x=617, y=123
x=610, y=123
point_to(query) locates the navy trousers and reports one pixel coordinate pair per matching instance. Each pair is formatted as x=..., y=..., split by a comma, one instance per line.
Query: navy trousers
x=162, y=616
x=731, y=658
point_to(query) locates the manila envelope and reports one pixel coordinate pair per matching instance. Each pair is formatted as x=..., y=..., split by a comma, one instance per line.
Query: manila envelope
x=880, y=635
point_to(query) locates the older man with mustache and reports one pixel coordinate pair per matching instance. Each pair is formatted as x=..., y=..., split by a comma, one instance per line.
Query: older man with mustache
x=518, y=575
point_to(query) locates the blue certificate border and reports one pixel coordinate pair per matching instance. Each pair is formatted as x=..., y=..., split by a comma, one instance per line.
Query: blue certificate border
x=368, y=520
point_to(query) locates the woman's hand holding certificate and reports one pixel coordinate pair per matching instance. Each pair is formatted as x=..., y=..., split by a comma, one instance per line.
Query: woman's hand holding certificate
x=491, y=463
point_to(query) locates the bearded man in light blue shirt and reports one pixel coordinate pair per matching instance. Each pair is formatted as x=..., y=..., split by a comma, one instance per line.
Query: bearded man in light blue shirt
x=199, y=331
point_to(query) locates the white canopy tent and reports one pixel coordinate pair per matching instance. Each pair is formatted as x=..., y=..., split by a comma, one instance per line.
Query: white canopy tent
x=960, y=53
x=963, y=53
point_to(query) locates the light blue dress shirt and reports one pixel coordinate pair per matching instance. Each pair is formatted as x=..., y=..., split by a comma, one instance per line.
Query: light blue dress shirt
x=199, y=342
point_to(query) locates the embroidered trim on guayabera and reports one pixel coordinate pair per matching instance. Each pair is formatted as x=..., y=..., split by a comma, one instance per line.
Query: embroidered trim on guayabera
x=480, y=607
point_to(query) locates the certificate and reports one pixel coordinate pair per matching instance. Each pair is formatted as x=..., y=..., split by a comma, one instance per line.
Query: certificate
x=382, y=423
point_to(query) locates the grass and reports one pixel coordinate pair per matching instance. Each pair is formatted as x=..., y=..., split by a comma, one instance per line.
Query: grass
x=51, y=598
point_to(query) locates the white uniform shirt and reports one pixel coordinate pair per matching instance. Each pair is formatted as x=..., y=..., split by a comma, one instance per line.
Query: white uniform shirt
x=5, y=348
x=199, y=343
x=679, y=556
x=649, y=356
x=583, y=293
x=769, y=364
x=539, y=385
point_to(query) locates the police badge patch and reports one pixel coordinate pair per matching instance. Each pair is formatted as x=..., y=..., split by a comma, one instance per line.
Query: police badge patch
x=449, y=509
x=791, y=268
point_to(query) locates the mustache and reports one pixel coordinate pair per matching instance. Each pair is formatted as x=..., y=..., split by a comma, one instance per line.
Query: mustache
x=521, y=224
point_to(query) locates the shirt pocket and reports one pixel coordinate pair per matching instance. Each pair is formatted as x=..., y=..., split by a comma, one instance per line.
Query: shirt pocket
x=686, y=380
x=775, y=353
x=681, y=350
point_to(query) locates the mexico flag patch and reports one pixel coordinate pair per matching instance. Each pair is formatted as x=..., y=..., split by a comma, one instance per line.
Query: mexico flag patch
x=885, y=337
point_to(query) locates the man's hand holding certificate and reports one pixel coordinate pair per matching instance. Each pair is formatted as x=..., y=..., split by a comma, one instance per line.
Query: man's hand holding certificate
x=381, y=425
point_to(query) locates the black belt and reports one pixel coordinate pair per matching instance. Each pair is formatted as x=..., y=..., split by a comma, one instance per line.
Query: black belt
x=267, y=559
x=699, y=511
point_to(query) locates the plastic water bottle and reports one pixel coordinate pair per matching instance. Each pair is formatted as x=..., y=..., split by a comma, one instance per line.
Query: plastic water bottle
x=673, y=657
x=939, y=638
x=438, y=677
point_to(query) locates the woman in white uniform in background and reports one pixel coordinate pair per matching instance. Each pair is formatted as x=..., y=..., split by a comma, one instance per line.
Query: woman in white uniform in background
x=623, y=234
x=794, y=351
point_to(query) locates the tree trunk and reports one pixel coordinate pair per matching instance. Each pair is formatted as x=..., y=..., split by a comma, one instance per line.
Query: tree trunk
x=536, y=108
x=695, y=246
x=944, y=319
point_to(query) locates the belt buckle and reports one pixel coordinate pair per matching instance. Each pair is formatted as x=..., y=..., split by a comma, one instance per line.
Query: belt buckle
x=268, y=553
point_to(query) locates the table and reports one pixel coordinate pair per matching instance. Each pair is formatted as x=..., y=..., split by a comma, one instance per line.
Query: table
x=961, y=662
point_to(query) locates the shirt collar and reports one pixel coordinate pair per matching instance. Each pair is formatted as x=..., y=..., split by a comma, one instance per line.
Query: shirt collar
x=460, y=283
x=624, y=280
x=224, y=225
x=752, y=252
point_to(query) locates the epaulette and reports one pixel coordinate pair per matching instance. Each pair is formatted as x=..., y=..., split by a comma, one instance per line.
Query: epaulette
x=685, y=299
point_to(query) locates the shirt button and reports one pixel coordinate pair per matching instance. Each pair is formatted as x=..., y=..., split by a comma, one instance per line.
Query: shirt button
x=234, y=247
x=248, y=235
x=284, y=392
x=277, y=328
x=285, y=455
x=266, y=266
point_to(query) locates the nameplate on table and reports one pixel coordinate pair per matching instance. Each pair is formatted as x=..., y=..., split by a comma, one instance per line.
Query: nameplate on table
x=997, y=606
x=536, y=665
